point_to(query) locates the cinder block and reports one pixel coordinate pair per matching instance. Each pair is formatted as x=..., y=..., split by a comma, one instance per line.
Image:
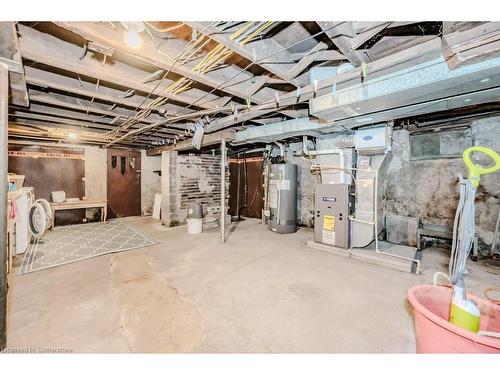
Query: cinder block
x=401, y=229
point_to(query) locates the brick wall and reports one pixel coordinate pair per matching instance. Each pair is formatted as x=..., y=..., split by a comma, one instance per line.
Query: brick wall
x=190, y=179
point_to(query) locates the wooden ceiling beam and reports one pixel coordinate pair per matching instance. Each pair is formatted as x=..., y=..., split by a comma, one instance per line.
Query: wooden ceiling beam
x=477, y=44
x=45, y=79
x=10, y=55
x=46, y=49
x=86, y=106
x=33, y=119
x=26, y=130
x=329, y=55
x=145, y=140
x=254, y=51
x=363, y=37
x=406, y=58
x=341, y=33
x=163, y=55
x=75, y=115
x=208, y=140
x=306, y=60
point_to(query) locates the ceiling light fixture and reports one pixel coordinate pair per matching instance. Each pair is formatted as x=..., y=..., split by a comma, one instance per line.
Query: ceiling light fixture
x=131, y=34
x=72, y=135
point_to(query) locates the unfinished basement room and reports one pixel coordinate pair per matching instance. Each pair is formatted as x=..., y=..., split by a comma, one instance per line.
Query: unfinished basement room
x=250, y=186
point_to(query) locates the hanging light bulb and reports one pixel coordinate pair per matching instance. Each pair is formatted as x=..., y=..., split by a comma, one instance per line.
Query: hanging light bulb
x=131, y=34
x=132, y=39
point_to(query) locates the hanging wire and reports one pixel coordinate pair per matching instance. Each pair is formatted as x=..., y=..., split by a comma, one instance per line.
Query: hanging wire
x=180, y=112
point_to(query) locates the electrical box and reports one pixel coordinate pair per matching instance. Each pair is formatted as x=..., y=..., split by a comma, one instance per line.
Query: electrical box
x=331, y=210
x=369, y=141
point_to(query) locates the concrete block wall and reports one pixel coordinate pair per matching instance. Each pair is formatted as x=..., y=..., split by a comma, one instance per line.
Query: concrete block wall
x=188, y=179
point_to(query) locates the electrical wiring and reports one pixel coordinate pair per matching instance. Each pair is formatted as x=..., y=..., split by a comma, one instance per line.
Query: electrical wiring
x=209, y=62
x=179, y=114
x=127, y=124
x=248, y=66
x=165, y=30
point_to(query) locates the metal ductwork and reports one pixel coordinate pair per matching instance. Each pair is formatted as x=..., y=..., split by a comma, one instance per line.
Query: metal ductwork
x=279, y=130
x=425, y=88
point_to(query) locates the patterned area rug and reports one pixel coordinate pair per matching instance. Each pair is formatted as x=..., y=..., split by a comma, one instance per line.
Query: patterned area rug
x=72, y=243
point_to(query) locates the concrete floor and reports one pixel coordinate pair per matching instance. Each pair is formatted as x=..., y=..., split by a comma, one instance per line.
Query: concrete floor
x=258, y=292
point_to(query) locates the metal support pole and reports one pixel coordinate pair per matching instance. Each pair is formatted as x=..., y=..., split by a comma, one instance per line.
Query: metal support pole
x=4, y=109
x=223, y=152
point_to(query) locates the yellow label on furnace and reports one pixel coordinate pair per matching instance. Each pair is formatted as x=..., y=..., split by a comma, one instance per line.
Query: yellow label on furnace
x=329, y=222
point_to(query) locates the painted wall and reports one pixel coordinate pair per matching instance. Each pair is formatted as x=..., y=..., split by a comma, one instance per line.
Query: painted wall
x=150, y=182
x=95, y=173
x=95, y=178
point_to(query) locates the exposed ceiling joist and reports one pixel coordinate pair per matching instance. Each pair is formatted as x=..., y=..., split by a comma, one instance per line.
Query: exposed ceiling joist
x=71, y=114
x=88, y=107
x=51, y=51
x=341, y=34
x=306, y=60
x=208, y=140
x=255, y=51
x=476, y=44
x=54, y=122
x=40, y=131
x=73, y=86
x=329, y=55
x=424, y=51
x=10, y=55
x=363, y=37
x=163, y=56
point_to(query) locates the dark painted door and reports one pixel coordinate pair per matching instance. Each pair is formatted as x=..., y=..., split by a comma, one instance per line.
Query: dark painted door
x=245, y=186
x=124, y=183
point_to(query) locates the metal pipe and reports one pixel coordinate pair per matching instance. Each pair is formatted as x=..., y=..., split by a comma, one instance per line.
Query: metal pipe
x=305, y=150
x=223, y=151
x=495, y=236
x=282, y=149
x=4, y=110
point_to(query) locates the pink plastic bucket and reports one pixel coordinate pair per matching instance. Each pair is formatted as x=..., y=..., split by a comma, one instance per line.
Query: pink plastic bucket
x=434, y=334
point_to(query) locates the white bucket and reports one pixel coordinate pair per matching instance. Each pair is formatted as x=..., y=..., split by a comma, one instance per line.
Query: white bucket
x=195, y=226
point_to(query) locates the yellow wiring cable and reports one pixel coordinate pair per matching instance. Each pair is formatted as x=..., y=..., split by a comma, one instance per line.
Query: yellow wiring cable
x=209, y=62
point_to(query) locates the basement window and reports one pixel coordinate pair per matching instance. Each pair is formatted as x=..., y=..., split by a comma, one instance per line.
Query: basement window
x=440, y=144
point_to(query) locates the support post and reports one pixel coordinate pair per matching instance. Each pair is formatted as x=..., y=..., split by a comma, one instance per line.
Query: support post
x=223, y=151
x=4, y=109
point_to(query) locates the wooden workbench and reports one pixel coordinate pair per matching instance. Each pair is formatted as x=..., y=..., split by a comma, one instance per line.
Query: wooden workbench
x=103, y=205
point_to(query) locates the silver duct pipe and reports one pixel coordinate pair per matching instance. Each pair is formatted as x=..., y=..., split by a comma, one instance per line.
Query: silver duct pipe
x=282, y=149
x=4, y=110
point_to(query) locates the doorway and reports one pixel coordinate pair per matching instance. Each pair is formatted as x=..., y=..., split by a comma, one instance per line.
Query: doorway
x=246, y=186
x=124, y=183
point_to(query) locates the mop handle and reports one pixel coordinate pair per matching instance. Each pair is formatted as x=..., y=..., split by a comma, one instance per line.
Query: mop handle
x=475, y=170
